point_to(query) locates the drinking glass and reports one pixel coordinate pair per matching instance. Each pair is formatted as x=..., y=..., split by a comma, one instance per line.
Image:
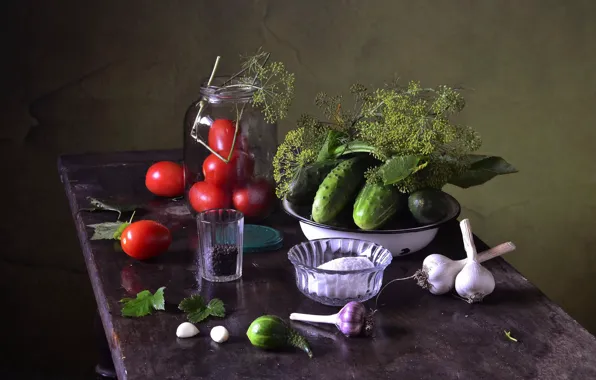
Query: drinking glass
x=221, y=233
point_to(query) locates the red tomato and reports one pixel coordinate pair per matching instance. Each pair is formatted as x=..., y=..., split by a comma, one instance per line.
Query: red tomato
x=221, y=137
x=241, y=142
x=204, y=196
x=145, y=239
x=238, y=170
x=254, y=199
x=166, y=179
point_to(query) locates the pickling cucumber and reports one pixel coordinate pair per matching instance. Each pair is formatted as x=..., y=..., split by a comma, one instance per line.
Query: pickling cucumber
x=307, y=180
x=338, y=189
x=271, y=332
x=375, y=205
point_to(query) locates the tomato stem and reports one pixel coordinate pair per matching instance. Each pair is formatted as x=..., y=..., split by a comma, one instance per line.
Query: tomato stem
x=132, y=216
x=214, y=70
x=213, y=151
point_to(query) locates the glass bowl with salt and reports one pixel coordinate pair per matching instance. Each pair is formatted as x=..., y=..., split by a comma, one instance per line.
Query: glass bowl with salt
x=336, y=271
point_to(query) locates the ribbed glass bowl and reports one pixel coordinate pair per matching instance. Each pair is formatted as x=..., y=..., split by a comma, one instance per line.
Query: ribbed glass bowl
x=336, y=288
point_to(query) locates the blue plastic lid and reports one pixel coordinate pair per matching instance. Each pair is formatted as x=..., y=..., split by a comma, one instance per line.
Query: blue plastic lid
x=261, y=238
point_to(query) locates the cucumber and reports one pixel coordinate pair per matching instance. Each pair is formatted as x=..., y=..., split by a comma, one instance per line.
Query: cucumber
x=271, y=332
x=338, y=189
x=306, y=181
x=375, y=205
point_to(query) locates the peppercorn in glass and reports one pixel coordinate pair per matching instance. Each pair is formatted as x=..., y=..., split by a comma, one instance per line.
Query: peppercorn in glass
x=221, y=233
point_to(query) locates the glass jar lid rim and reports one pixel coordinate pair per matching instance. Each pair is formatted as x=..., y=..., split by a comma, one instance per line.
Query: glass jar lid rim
x=224, y=88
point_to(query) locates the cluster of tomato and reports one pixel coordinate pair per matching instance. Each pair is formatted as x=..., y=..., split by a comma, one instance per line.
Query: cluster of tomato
x=232, y=183
x=225, y=184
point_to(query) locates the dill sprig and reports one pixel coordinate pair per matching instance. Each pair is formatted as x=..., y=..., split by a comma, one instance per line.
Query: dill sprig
x=300, y=148
x=274, y=85
x=394, y=120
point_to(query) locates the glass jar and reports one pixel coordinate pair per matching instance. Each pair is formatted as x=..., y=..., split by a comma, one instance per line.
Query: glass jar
x=223, y=172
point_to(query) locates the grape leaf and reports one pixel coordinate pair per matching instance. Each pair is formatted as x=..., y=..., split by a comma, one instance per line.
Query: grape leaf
x=107, y=230
x=196, y=309
x=398, y=168
x=144, y=304
x=482, y=169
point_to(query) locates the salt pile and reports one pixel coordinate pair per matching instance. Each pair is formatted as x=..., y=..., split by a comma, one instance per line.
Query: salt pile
x=342, y=285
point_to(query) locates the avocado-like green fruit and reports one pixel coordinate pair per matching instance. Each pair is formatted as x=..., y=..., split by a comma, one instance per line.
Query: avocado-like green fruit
x=428, y=206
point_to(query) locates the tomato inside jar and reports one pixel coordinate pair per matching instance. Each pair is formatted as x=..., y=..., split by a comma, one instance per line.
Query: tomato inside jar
x=215, y=178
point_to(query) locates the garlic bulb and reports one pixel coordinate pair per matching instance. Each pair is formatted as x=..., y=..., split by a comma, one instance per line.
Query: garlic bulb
x=439, y=272
x=473, y=282
x=351, y=319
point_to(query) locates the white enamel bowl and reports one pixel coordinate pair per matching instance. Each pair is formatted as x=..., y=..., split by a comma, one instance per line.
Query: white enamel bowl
x=399, y=242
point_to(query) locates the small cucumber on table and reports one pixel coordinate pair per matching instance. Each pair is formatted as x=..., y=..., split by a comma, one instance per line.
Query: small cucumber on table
x=338, y=189
x=375, y=205
x=306, y=182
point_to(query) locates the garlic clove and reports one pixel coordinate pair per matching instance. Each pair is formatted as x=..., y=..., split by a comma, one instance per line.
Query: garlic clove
x=186, y=330
x=219, y=334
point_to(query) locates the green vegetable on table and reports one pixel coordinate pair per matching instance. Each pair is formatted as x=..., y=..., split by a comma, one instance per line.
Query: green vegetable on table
x=271, y=332
x=197, y=310
x=143, y=304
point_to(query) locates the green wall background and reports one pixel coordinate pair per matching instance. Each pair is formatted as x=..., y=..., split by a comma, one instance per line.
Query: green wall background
x=117, y=75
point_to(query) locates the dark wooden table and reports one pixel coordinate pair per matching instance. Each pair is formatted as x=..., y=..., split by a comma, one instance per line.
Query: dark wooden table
x=418, y=335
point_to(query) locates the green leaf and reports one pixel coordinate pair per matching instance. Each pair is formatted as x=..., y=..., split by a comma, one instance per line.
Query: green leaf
x=198, y=315
x=398, y=168
x=144, y=304
x=482, y=169
x=196, y=309
x=332, y=141
x=105, y=231
x=158, y=300
x=216, y=308
x=192, y=303
x=118, y=233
